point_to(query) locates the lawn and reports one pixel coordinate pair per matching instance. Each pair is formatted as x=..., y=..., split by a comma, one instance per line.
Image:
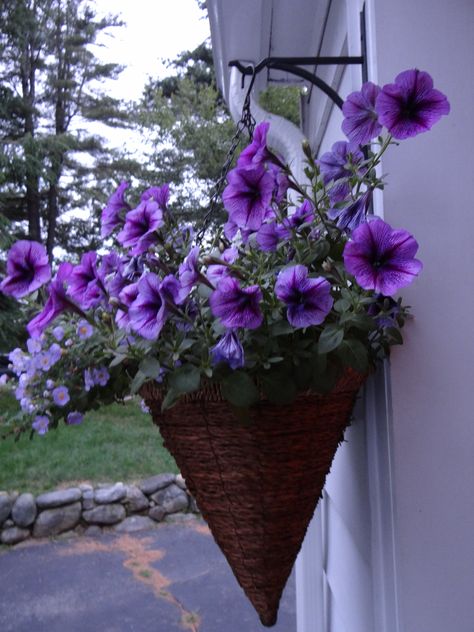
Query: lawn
x=116, y=443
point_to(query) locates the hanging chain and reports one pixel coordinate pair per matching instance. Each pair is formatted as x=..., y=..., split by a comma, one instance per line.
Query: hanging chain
x=246, y=123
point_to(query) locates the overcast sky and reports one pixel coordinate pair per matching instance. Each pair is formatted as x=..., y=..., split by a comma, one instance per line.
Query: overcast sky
x=155, y=30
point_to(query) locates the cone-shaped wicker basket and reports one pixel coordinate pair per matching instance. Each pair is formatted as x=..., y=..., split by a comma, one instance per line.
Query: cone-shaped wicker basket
x=257, y=484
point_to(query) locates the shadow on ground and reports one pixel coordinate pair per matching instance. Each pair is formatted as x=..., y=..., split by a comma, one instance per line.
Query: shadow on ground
x=168, y=579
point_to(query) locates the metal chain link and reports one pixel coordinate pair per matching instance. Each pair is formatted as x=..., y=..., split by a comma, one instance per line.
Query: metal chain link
x=246, y=123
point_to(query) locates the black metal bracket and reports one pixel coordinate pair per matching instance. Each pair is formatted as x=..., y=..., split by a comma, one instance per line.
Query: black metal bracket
x=293, y=65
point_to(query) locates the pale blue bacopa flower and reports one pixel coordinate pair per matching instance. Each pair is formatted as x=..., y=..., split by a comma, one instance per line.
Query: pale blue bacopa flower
x=41, y=424
x=74, y=418
x=84, y=329
x=61, y=395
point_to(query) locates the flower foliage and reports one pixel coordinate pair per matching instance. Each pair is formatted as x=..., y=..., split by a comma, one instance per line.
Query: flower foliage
x=299, y=284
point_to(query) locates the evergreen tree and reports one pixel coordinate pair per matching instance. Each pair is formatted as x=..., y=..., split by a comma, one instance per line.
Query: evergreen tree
x=52, y=83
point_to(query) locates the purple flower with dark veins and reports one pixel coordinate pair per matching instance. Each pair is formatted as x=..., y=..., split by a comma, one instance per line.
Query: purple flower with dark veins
x=217, y=271
x=269, y=236
x=308, y=300
x=351, y=216
x=27, y=269
x=248, y=196
x=128, y=294
x=228, y=350
x=256, y=153
x=411, y=105
x=361, y=122
x=159, y=194
x=335, y=165
x=381, y=258
x=57, y=302
x=236, y=306
x=149, y=311
x=141, y=224
x=85, y=286
x=303, y=215
x=111, y=214
x=189, y=273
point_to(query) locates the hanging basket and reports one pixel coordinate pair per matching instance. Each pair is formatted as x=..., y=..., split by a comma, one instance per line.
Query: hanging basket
x=257, y=482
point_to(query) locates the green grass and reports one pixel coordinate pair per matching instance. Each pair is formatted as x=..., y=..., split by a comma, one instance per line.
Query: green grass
x=116, y=443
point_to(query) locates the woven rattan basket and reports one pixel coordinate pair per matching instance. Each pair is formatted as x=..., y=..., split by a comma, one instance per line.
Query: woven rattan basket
x=257, y=484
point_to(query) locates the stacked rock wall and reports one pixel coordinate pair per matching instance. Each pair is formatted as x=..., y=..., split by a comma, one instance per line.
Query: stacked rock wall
x=87, y=509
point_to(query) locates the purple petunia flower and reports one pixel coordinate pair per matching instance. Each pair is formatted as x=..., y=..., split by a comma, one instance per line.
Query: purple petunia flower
x=228, y=350
x=381, y=258
x=268, y=237
x=159, y=194
x=40, y=424
x=116, y=204
x=361, y=122
x=308, y=300
x=141, y=224
x=256, y=154
x=85, y=286
x=75, y=418
x=84, y=329
x=335, y=165
x=61, y=395
x=351, y=216
x=248, y=196
x=303, y=215
x=100, y=375
x=149, y=311
x=236, y=306
x=188, y=273
x=411, y=105
x=216, y=272
x=27, y=269
x=57, y=302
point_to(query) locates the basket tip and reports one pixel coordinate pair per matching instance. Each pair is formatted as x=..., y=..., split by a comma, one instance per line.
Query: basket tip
x=268, y=620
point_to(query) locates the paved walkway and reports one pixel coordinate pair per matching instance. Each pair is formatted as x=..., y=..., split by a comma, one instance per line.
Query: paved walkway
x=164, y=580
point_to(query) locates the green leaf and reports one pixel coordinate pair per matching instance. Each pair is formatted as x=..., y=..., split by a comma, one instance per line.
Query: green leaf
x=354, y=354
x=281, y=328
x=362, y=322
x=279, y=387
x=394, y=335
x=185, y=379
x=240, y=390
x=342, y=305
x=325, y=375
x=118, y=359
x=169, y=400
x=150, y=367
x=330, y=339
x=137, y=382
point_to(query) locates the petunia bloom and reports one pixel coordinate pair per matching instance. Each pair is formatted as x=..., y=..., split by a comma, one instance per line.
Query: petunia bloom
x=140, y=227
x=337, y=166
x=236, y=306
x=381, y=258
x=111, y=214
x=27, y=269
x=308, y=300
x=159, y=194
x=189, y=273
x=150, y=310
x=411, y=105
x=361, y=122
x=248, y=196
x=256, y=153
x=350, y=216
x=228, y=350
x=56, y=304
x=84, y=284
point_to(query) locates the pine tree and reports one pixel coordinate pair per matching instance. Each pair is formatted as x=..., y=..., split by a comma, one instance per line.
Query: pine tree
x=51, y=80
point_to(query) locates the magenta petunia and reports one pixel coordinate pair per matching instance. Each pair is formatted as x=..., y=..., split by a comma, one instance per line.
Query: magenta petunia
x=236, y=306
x=27, y=268
x=308, y=300
x=381, y=258
x=248, y=196
x=361, y=122
x=411, y=105
x=112, y=214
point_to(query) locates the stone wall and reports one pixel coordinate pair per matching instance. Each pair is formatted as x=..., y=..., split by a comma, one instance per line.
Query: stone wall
x=87, y=509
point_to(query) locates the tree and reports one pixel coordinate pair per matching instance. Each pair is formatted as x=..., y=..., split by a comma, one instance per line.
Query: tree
x=51, y=80
x=189, y=129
